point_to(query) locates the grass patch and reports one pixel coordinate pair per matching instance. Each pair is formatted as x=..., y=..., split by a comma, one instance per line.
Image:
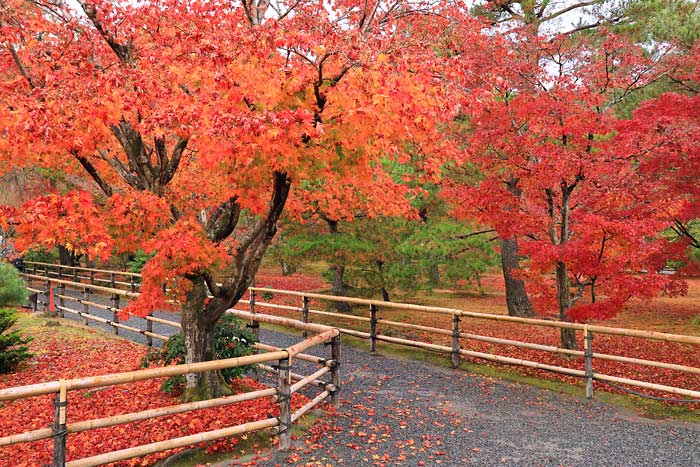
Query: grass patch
x=38, y=323
x=249, y=446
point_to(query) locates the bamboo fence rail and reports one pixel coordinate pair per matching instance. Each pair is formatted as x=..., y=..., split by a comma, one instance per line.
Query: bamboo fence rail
x=458, y=336
x=281, y=394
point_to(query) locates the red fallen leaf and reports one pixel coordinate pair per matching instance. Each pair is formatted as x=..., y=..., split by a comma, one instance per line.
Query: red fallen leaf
x=61, y=355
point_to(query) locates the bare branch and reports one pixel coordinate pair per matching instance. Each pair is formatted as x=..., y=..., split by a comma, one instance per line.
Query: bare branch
x=90, y=169
x=570, y=8
x=125, y=52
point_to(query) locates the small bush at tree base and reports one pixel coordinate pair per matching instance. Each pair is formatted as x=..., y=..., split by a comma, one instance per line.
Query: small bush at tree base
x=231, y=339
x=13, y=346
x=12, y=288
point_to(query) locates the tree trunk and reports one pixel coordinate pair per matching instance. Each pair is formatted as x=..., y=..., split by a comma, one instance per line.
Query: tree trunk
x=198, y=330
x=66, y=257
x=288, y=269
x=385, y=292
x=385, y=295
x=339, y=288
x=434, y=272
x=516, y=297
x=568, y=336
x=338, y=273
x=517, y=300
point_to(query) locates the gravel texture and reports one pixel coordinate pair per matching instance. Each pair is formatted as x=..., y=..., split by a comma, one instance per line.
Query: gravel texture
x=398, y=412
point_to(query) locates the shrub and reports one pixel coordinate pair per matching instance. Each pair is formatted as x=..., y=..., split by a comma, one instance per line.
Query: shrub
x=13, y=291
x=138, y=261
x=231, y=339
x=265, y=295
x=13, y=346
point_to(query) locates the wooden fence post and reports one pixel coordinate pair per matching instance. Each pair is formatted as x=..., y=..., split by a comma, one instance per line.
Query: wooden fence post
x=254, y=325
x=86, y=307
x=61, y=292
x=588, y=356
x=75, y=274
x=305, y=313
x=48, y=290
x=372, y=328
x=59, y=427
x=115, y=311
x=111, y=281
x=132, y=283
x=455, y=341
x=92, y=277
x=335, y=371
x=284, y=399
x=149, y=328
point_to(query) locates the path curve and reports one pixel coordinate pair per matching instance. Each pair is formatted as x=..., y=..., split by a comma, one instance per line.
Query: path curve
x=398, y=412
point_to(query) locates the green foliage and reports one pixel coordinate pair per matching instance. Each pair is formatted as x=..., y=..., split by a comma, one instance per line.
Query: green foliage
x=13, y=291
x=385, y=254
x=695, y=321
x=138, y=261
x=42, y=256
x=13, y=346
x=658, y=21
x=461, y=254
x=231, y=339
x=265, y=295
x=656, y=24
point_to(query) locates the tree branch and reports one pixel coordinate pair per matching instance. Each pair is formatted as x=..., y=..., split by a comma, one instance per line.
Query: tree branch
x=125, y=52
x=90, y=169
x=223, y=220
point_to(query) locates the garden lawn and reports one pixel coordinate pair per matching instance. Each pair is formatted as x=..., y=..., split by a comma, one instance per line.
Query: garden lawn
x=68, y=351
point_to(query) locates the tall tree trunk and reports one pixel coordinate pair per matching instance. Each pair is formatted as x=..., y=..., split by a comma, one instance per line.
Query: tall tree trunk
x=198, y=331
x=517, y=300
x=434, y=272
x=380, y=269
x=338, y=273
x=568, y=336
x=339, y=287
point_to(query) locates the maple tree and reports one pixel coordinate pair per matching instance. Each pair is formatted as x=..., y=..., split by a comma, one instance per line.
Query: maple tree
x=583, y=212
x=663, y=133
x=540, y=19
x=196, y=119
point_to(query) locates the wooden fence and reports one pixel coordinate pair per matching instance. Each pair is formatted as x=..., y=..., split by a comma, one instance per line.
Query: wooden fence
x=288, y=383
x=458, y=336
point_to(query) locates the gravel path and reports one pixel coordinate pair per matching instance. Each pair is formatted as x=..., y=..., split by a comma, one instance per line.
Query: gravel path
x=399, y=412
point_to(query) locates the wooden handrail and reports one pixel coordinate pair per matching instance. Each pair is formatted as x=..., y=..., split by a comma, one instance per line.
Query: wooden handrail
x=79, y=268
x=112, y=379
x=457, y=314
x=99, y=288
x=661, y=336
x=678, y=338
